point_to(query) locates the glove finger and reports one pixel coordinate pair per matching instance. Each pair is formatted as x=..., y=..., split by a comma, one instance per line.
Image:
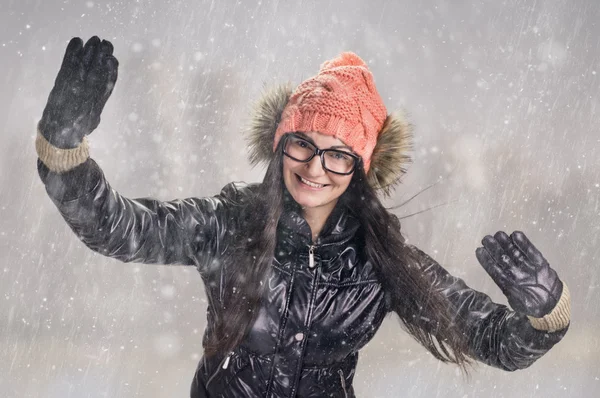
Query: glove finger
x=523, y=267
x=105, y=92
x=103, y=70
x=70, y=63
x=106, y=47
x=97, y=75
x=531, y=252
x=494, y=270
x=102, y=77
x=90, y=49
x=503, y=257
x=112, y=67
x=496, y=251
x=74, y=49
x=65, y=84
x=104, y=87
x=503, y=239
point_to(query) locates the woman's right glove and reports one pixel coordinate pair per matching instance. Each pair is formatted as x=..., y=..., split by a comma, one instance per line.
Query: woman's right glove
x=84, y=83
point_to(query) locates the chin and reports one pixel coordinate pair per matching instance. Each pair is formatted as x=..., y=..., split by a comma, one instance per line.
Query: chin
x=309, y=200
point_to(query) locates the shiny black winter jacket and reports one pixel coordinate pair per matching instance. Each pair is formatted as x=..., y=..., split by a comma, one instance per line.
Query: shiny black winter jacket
x=324, y=301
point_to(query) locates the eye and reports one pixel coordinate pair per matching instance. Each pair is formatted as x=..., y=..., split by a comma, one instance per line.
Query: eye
x=338, y=155
x=301, y=143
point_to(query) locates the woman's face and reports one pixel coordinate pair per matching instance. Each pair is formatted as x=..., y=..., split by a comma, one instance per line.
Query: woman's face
x=311, y=186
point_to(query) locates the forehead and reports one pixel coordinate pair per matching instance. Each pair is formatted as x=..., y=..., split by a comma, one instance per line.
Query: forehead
x=322, y=140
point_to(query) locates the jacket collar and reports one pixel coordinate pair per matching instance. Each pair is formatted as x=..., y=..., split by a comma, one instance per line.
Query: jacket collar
x=339, y=227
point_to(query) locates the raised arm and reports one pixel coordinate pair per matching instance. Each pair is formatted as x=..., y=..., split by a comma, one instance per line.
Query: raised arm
x=497, y=335
x=190, y=231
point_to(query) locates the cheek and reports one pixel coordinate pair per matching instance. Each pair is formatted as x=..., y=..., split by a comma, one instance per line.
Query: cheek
x=287, y=173
x=287, y=167
x=342, y=183
x=340, y=186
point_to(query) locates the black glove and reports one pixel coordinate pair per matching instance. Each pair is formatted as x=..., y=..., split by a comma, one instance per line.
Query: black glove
x=84, y=83
x=521, y=272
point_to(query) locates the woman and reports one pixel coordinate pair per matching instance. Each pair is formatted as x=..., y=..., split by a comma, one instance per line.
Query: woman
x=301, y=269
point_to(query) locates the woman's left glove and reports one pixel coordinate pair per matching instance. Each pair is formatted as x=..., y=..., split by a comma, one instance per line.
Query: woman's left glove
x=521, y=272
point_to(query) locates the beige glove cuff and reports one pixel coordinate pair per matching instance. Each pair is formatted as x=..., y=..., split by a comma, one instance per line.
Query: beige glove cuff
x=558, y=318
x=61, y=160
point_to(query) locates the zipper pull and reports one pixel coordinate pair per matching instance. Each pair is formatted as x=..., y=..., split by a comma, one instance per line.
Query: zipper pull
x=311, y=256
x=226, y=363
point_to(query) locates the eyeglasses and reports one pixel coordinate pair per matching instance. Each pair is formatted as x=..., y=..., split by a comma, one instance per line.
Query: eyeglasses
x=334, y=160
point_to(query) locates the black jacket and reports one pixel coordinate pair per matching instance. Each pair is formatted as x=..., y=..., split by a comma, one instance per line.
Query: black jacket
x=324, y=301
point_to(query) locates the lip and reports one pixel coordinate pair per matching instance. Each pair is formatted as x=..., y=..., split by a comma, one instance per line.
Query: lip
x=308, y=187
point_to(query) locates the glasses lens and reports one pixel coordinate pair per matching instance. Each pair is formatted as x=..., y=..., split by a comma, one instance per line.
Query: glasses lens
x=338, y=161
x=298, y=148
x=334, y=160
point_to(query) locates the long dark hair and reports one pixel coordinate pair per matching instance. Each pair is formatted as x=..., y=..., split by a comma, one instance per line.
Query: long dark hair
x=423, y=312
x=247, y=281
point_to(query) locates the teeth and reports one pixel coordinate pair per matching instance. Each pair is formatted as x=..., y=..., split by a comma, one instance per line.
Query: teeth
x=311, y=184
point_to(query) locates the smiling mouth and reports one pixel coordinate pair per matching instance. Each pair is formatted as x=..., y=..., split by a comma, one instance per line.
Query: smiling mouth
x=310, y=183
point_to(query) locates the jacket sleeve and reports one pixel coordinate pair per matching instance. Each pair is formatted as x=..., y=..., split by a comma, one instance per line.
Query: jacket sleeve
x=497, y=336
x=189, y=232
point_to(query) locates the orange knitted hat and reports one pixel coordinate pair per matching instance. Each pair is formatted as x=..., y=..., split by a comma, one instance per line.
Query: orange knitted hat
x=342, y=101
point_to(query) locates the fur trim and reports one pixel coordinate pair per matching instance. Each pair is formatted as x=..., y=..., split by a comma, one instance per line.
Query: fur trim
x=265, y=119
x=390, y=156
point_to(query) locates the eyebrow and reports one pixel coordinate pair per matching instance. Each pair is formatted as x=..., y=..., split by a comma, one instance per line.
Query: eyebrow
x=307, y=138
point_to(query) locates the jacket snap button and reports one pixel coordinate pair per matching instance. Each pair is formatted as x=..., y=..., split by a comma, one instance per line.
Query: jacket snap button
x=299, y=336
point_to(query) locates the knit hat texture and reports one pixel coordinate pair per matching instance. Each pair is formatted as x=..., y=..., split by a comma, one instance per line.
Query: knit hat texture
x=342, y=101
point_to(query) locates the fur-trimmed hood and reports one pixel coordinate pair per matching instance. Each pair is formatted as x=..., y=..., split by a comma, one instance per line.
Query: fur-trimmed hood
x=388, y=162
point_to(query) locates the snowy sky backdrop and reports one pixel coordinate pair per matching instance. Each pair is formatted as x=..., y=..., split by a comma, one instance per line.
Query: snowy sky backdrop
x=504, y=97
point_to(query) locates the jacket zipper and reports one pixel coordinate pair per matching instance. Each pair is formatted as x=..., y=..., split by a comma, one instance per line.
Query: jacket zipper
x=224, y=364
x=311, y=256
x=343, y=379
x=309, y=315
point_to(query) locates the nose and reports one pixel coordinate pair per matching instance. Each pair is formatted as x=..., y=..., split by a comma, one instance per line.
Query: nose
x=314, y=167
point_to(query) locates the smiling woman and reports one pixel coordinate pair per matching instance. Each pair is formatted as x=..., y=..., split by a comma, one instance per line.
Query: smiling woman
x=316, y=178
x=301, y=269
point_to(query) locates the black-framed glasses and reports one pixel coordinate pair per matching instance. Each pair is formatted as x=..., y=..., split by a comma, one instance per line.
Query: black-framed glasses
x=334, y=160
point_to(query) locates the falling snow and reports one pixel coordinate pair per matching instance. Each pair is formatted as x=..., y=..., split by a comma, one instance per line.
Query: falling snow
x=504, y=99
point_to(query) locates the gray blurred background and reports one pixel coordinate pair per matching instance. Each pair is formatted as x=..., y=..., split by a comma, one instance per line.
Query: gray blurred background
x=504, y=97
